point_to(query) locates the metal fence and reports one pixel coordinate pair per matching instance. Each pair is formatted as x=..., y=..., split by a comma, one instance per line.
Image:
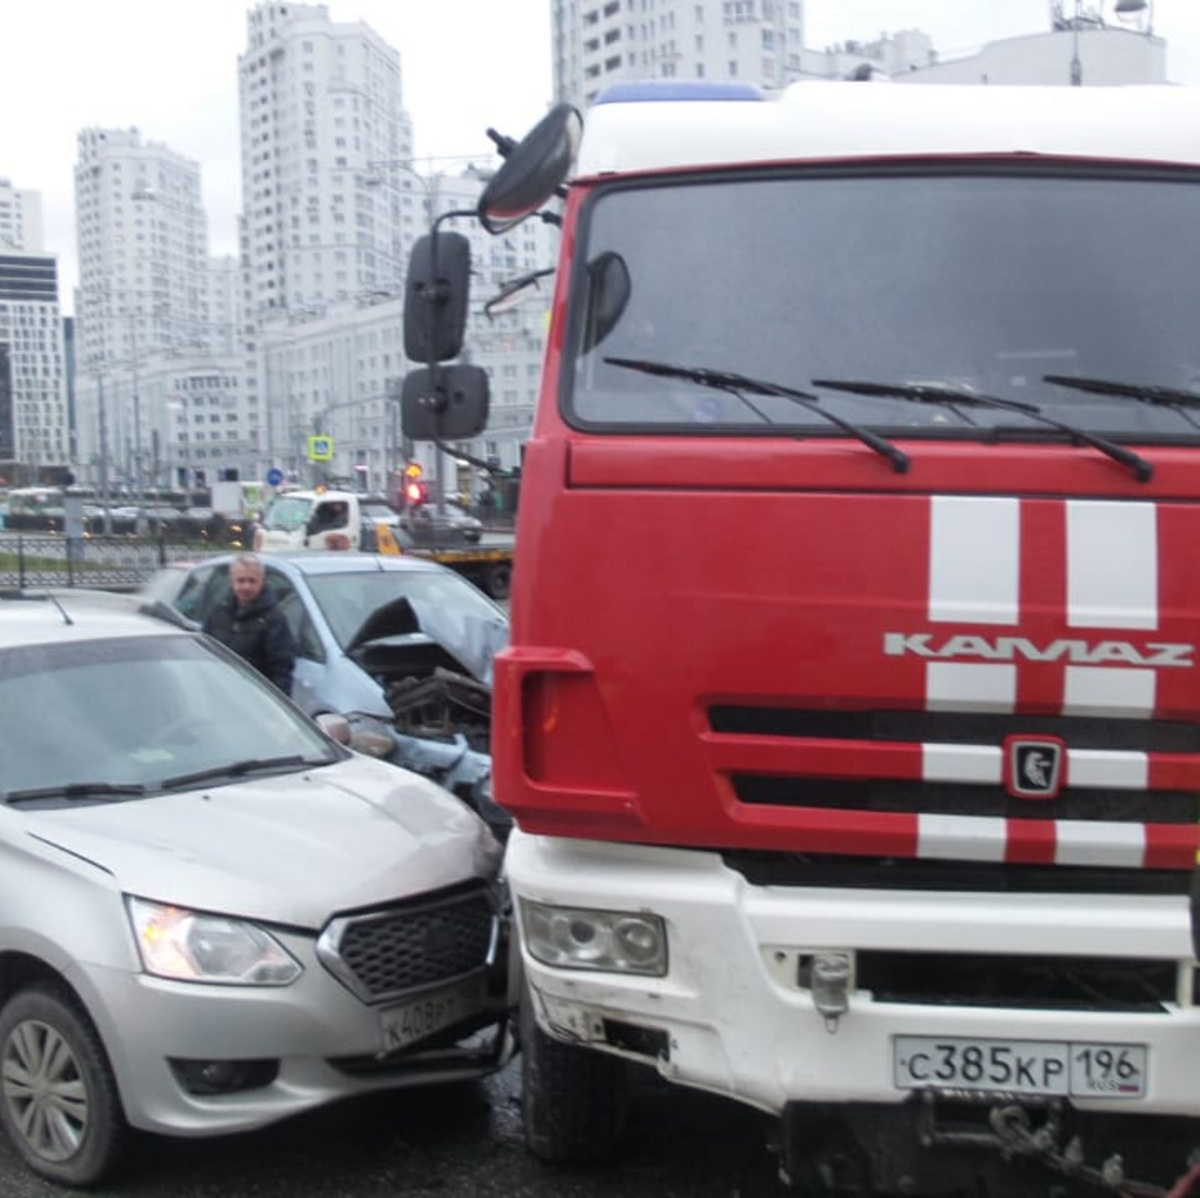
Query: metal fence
x=107, y=563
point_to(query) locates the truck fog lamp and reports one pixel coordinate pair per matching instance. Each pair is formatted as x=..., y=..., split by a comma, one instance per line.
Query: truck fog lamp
x=579, y=938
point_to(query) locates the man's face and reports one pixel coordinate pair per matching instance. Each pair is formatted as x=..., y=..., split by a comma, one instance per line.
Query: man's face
x=247, y=584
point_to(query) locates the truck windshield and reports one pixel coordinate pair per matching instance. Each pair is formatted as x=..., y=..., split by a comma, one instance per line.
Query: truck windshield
x=287, y=514
x=982, y=282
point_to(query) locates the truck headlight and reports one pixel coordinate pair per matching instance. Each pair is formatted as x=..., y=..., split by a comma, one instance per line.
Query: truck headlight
x=188, y=946
x=579, y=938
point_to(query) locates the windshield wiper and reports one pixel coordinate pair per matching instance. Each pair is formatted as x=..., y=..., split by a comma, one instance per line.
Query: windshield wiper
x=1143, y=470
x=238, y=769
x=75, y=790
x=736, y=384
x=1174, y=398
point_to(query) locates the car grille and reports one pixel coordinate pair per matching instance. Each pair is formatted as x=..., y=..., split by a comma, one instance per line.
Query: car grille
x=400, y=949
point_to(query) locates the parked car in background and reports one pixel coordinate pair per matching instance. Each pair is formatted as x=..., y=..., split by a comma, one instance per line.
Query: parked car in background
x=426, y=524
x=401, y=646
x=213, y=915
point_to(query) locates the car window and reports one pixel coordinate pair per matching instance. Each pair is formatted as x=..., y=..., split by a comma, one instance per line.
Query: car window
x=192, y=600
x=138, y=711
x=308, y=644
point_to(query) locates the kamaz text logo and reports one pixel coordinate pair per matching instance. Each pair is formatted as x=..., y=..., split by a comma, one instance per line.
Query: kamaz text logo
x=1019, y=648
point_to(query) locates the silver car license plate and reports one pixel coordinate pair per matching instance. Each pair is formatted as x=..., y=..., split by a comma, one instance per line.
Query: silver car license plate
x=405, y=1023
x=1078, y=1069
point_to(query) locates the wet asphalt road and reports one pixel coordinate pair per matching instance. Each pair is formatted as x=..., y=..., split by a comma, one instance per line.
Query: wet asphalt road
x=450, y=1142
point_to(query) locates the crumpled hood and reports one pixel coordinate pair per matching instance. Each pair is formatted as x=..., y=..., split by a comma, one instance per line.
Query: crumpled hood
x=470, y=641
x=291, y=849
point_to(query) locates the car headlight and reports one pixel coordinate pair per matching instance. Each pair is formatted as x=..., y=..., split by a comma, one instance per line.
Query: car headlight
x=188, y=946
x=578, y=938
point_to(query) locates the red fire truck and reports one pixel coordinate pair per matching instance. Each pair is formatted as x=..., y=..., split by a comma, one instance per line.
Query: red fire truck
x=851, y=720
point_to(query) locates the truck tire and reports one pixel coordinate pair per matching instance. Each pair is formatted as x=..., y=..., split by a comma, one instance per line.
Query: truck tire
x=497, y=581
x=574, y=1101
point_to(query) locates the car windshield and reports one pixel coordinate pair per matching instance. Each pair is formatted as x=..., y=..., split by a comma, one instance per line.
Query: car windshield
x=447, y=607
x=981, y=283
x=136, y=712
x=287, y=514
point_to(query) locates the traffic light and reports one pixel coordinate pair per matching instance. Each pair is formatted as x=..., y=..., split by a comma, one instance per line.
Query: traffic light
x=415, y=490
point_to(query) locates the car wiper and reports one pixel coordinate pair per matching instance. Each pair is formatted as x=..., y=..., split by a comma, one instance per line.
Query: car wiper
x=75, y=790
x=1143, y=470
x=738, y=384
x=238, y=769
x=1174, y=398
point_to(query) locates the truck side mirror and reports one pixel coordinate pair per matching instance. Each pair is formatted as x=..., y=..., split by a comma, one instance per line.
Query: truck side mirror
x=435, y=301
x=533, y=170
x=454, y=407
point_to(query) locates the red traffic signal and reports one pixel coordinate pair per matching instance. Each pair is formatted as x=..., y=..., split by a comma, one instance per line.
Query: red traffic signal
x=415, y=492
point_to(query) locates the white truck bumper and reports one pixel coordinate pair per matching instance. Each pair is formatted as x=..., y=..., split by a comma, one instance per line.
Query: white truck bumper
x=736, y=1019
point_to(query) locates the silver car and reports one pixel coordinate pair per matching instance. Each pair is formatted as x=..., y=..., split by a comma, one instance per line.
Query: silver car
x=400, y=645
x=212, y=914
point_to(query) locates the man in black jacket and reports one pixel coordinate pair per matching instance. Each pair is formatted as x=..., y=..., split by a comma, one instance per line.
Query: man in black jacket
x=252, y=625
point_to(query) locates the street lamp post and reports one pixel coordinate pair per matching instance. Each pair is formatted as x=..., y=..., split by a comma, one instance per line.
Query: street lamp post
x=137, y=407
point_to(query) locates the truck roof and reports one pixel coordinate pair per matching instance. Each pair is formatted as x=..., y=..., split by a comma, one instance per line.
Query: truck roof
x=655, y=126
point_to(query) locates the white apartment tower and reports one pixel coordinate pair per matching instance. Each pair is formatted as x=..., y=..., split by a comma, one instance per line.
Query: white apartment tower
x=329, y=206
x=599, y=42
x=157, y=320
x=20, y=218
x=142, y=240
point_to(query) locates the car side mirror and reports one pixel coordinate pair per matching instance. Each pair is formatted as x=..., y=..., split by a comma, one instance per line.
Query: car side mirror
x=335, y=726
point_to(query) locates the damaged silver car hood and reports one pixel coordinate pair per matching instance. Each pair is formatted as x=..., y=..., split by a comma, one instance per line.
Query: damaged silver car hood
x=288, y=849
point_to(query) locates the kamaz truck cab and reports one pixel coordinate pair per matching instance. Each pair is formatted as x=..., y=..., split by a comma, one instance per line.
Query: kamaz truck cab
x=851, y=719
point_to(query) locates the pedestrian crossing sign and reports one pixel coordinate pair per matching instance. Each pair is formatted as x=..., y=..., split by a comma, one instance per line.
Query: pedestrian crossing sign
x=320, y=449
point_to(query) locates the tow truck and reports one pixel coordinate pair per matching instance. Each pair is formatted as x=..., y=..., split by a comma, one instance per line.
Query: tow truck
x=324, y=518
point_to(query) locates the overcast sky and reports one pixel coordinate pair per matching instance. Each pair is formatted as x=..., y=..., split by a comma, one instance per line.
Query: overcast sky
x=170, y=68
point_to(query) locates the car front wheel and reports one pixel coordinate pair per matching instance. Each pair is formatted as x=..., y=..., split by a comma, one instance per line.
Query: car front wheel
x=58, y=1099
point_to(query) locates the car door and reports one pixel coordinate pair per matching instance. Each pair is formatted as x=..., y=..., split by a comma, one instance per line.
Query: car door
x=311, y=660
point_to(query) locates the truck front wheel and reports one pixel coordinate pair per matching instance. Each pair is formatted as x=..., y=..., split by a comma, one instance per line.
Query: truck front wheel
x=574, y=1101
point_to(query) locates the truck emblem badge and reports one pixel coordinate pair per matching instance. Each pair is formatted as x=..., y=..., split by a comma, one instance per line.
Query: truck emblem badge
x=1033, y=766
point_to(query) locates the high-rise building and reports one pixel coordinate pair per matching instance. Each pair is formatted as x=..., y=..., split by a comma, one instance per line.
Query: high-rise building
x=142, y=239
x=34, y=427
x=327, y=211
x=20, y=218
x=143, y=299
x=34, y=421
x=598, y=42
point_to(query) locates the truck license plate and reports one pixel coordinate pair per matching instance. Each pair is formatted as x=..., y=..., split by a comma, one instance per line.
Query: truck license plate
x=1058, y=1067
x=407, y=1022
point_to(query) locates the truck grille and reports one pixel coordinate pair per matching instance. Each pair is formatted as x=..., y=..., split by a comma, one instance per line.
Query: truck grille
x=896, y=785
x=385, y=953
x=968, y=979
x=948, y=727
x=872, y=872
x=1142, y=806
